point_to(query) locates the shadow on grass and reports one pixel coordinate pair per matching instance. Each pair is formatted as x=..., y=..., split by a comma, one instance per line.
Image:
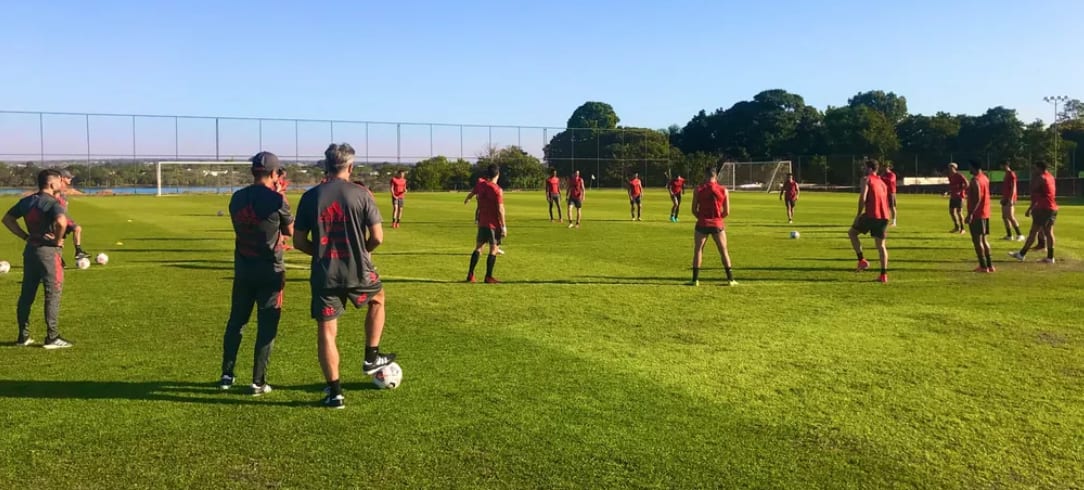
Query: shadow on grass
x=169, y=391
x=199, y=265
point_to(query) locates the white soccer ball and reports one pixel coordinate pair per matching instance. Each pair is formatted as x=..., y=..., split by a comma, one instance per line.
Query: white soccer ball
x=102, y=259
x=388, y=378
x=83, y=263
x=794, y=234
x=5, y=267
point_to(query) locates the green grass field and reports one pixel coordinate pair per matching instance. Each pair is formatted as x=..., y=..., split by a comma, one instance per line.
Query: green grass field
x=592, y=366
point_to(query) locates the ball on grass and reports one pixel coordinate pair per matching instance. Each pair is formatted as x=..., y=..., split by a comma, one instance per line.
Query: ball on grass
x=101, y=259
x=83, y=263
x=794, y=234
x=389, y=378
x=5, y=267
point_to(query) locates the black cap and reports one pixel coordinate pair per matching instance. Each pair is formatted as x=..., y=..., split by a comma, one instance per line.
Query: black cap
x=266, y=160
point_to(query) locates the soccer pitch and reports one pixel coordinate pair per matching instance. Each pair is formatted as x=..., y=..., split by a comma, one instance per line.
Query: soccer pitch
x=592, y=366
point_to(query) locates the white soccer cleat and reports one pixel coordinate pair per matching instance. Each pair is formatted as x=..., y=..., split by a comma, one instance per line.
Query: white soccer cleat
x=1017, y=256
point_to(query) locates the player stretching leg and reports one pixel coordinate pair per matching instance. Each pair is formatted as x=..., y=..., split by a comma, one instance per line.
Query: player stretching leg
x=978, y=215
x=1043, y=212
x=957, y=189
x=398, y=193
x=1008, y=205
x=491, y=224
x=790, y=192
x=676, y=187
x=73, y=228
x=889, y=177
x=636, y=191
x=553, y=195
x=872, y=218
x=711, y=206
x=576, y=195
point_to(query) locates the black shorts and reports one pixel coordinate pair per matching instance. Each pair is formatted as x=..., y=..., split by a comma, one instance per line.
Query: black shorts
x=1006, y=202
x=397, y=201
x=875, y=227
x=710, y=230
x=980, y=226
x=790, y=202
x=891, y=199
x=634, y=199
x=575, y=201
x=328, y=304
x=1044, y=217
x=492, y=236
x=956, y=203
x=676, y=197
x=555, y=198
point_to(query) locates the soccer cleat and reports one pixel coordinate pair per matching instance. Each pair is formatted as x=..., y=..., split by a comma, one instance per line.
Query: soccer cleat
x=333, y=401
x=1046, y=260
x=1017, y=256
x=500, y=251
x=638, y=219
x=991, y=269
x=693, y=283
x=1021, y=238
x=263, y=389
x=962, y=231
x=560, y=220
x=731, y=283
x=1009, y=238
x=676, y=219
x=380, y=361
x=57, y=343
x=492, y=280
x=790, y=221
x=893, y=222
x=225, y=382
x=24, y=341
x=81, y=254
x=570, y=225
x=863, y=264
x=470, y=279
x=577, y=225
x=980, y=269
x=883, y=278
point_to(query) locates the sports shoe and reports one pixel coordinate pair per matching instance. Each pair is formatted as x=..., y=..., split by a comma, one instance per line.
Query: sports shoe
x=991, y=269
x=333, y=401
x=500, y=250
x=1017, y=256
x=1046, y=260
x=1039, y=246
x=672, y=219
x=693, y=283
x=638, y=219
x=225, y=382
x=470, y=279
x=560, y=220
x=893, y=222
x=258, y=390
x=57, y=343
x=883, y=278
x=980, y=269
x=492, y=280
x=863, y=264
x=676, y=219
x=731, y=283
x=24, y=341
x=790, y=221
x=1009, y=238
x=962, y=231
x=570, y=225
x=81, y=254
x=379, y=363
x=577, y=226
x=1021, y=238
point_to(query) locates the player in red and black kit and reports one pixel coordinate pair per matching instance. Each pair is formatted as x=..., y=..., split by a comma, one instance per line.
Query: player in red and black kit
x=636, y=193
x=957, y=189
x=480, y=187
x=676, y=188
x=889, y=177
x=42, y=264
x=1008, y=204
x=398, y=193
x=1043, y=211
x=872, y=218
x=73, y=229
x=491, y=224
x=978, y=215
x=261, y=219
x=344, y=224
x=577, y=193
x=553, y=194
x=789, y=191
x=711, y=206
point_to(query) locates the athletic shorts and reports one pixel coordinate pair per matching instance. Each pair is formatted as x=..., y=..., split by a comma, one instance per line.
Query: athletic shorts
x=875, y=227
x=1007, y=202
x=397, y=201
x=71, y=227
x=956, y=203
x=634, y=199
x=790, y=202
x=710, y=230
x=575, y=201
x=328, y=304
x=554, y=198
x=980, y=226
x=1044, y=217
x=891, y=199
x=676, y=197
x=492, y=236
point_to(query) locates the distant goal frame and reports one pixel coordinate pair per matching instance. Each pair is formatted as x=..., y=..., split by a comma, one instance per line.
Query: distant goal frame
x=774, y=172
x=158, y=168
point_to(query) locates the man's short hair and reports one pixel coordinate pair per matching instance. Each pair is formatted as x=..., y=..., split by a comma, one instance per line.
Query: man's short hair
x=974, y=165
x=872, y=164
x=710, y=172
x=45, y=176
x=492, y=171
x=1006, y=164
x=1040, y=164
x=553, y=171
x=338, y=156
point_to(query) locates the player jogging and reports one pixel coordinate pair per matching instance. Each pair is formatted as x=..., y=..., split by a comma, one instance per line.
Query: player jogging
x=978, y=215
x=872, y=218
x=398, y=192
x=73, y=229
x=957, y=189
x=261, y=219
x=491, y=224
x=889, y=177
x=479, y=187
x=789, y=191
x=1043, y=212
x=553, y=194
x=1008, y=204
x=676, y=188
x=576, y=194
x=44, y=237
x=344, y=225
x=711, y=206
x=636, y=192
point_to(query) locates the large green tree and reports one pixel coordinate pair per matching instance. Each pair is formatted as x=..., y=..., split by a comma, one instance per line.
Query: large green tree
x=594, y=115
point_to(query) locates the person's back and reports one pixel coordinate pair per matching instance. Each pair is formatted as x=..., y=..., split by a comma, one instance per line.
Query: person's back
x=256, y=213
x=877, y=198
x=978, y=197
x=338, y=212
x=489, y=199
x=710, y=197
x=1043, y=192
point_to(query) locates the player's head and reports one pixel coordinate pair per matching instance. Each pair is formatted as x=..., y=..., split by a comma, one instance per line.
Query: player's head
x=492, y=172
x=399, y=173
x=1006, y=165
x=710, y=174
x=66, y=177
x=872, y=166
x=1040, y=166
x=266, y=166
x=577, y=173
x=49, y=180
x=636, y=175
x=974, y=166
x=339, y=158
x=553, y=172
x=953, y=168
x=790, y=177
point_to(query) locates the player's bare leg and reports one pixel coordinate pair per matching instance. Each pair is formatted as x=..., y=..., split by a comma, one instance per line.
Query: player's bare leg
x=328, y=350
x=980, y=251
x=699, y=239
x=474, y=258
x=1048, y=233
x=1033, y=234
x=374, y=320
x=724, y=253
x=856, y=244
x=882, y=254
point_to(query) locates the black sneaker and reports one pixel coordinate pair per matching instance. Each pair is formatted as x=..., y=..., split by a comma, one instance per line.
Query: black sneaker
x=378, y=363
x=57, y=343
x=24, y=341
x=333, y=401
x=225, y=382
x=81, y=254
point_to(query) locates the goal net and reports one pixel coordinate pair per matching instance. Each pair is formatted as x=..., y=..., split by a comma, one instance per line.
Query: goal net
x=754, y=176
x=207, y=177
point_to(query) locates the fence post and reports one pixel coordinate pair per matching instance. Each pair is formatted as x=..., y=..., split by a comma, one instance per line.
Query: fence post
x=41, y=137
x=297, y=150
x=88, y=138
x=133, y=139
x=216, y=140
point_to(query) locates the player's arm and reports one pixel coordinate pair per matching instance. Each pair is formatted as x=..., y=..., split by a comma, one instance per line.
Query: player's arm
x=726, y=205
x=303, y=226
x=375, y=238
x=974, y=190
x=470, y=195
x=286, y=220
x=696, y=205
x=797, y=190
x=500, y=216
x=12, y=223
x=782, y=189
x=862, y=195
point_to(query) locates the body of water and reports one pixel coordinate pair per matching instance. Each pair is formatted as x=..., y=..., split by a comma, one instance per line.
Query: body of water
x=146, y=191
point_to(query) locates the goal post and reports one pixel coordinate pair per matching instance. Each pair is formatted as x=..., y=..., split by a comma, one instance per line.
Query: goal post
x=201, y=175
x=754, y=176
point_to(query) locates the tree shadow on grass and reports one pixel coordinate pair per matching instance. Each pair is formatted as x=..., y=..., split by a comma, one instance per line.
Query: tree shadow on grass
x=169, y=391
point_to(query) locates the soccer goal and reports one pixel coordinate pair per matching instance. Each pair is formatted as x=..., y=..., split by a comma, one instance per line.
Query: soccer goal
x=201, y=176
x=754, y=176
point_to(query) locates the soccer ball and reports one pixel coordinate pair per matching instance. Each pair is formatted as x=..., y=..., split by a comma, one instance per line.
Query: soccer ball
x=83, y=263
x=388, y=378
x=794, y=234
x=102, y=259
x=5, y=267
x=221, y=212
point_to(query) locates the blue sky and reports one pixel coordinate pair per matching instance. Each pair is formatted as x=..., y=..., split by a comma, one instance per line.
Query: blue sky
x=531, y=63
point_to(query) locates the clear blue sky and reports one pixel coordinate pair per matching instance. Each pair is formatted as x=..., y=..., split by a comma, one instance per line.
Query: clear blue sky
x=532, y=63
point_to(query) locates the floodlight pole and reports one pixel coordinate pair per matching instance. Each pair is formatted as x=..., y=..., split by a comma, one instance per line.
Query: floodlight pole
x=1054, y=99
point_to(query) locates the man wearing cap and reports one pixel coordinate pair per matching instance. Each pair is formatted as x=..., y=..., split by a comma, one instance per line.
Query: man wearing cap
x=957, y=189
x=261, y=217
x=73, y=228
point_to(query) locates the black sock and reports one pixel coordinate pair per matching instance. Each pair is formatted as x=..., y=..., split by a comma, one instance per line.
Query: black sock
x=1017, y=228
x=884, y=271
x=1008, y=231
x=336, y=389
x=1024, y=251
x=473, y=262
x=989, y=263
x=729, y=275
x=861, y=256
x=982, y=261
x=490, y=262
x=371, y=352
x=696, y=273
x=1050, y=252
